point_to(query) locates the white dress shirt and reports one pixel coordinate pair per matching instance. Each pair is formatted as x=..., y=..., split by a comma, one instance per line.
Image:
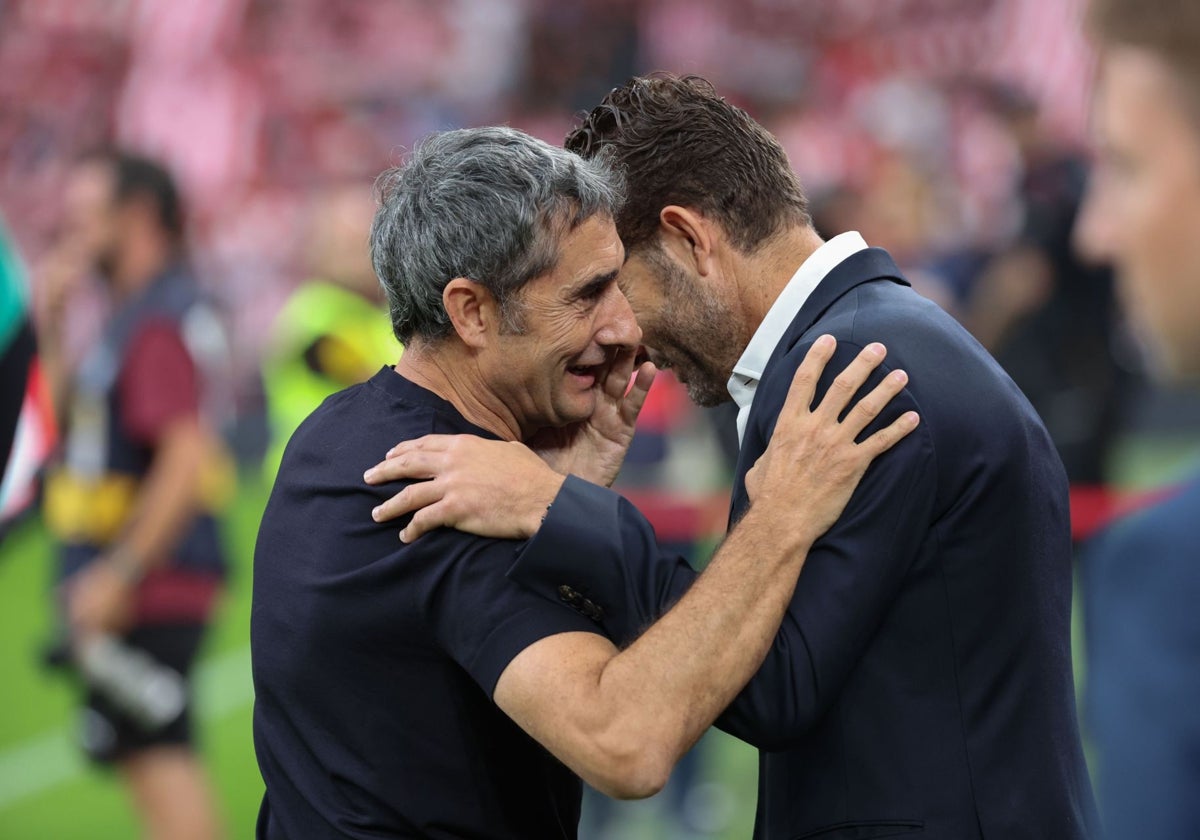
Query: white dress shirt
x=749, y=369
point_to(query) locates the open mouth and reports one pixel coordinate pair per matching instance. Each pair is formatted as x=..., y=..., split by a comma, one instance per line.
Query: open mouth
x=585, y=373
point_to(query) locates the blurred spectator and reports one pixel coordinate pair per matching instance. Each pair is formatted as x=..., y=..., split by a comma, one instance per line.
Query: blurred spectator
x=1142, y=577
x=333, y=332
x=1049, y=318
x=131, y=502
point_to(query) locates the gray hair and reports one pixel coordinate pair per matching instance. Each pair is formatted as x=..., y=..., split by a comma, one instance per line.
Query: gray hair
x=487, y=204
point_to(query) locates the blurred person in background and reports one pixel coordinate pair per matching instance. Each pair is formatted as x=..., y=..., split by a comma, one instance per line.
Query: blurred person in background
x=333, y=330
x=130, y=502
x=1141, y=578
x=1048, y=316
x=921, y=681
x=409, y=688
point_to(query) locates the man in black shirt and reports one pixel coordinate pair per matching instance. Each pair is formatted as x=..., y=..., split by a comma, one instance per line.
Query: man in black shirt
x=409, y=689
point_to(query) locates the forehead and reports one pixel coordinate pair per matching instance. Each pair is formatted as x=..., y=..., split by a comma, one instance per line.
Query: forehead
x=1139, y=97
x=90, y=182
x=591, y=249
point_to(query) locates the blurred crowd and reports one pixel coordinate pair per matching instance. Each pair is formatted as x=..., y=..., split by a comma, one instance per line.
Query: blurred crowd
x=944, y=130
x=950, y=132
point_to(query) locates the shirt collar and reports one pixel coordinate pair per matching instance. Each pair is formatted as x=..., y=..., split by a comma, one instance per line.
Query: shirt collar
x=749, y=368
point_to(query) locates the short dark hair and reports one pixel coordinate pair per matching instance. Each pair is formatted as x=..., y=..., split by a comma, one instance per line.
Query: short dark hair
x=678, y=142
x=138, y=177
x=1168, y=28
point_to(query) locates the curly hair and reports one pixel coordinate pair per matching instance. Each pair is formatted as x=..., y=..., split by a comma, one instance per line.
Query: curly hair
x=679, y=142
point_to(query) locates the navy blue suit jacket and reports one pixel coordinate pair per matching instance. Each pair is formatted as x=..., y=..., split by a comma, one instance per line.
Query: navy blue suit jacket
x=921, y=682
x=1141, y=585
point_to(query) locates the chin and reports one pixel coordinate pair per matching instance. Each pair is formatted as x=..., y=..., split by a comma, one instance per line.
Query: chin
x=707, y=394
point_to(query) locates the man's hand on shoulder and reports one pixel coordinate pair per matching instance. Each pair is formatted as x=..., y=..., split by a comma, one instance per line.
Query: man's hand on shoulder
x=814, y=460
x=491, y=488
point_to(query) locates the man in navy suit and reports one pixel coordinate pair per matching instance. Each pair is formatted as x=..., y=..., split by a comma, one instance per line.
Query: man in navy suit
x=1141, y=579
x=921, y=681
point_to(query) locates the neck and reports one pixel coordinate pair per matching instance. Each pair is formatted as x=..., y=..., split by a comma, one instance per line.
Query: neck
x=765, y=273
x=450, y=370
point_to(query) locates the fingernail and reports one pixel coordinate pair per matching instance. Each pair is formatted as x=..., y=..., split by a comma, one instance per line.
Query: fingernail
x=912, y=418
x=389, y=453
x=367, y=475
x=375, y=513
x=898, y=376
x=404, y=536
x=825, y=341
x=875, y=348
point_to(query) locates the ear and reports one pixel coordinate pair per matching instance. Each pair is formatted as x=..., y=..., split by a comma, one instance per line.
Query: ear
x=472, y=310
x=688, y=235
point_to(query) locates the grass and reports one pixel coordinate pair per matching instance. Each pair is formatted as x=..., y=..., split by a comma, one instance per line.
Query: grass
x=47, y=790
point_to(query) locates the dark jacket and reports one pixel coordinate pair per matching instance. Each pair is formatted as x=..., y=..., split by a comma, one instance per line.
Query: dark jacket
x=921, y=682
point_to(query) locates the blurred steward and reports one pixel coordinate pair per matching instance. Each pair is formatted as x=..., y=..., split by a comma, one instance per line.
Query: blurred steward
x=131, y=501
x=333, y=331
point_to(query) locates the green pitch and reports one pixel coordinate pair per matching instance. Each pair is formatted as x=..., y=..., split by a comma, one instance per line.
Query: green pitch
x=48, y=791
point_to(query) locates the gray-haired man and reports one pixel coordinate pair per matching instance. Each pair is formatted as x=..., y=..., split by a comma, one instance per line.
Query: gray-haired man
x=410, y=689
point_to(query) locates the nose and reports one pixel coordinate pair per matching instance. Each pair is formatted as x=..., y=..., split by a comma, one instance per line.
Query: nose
x=617, y=325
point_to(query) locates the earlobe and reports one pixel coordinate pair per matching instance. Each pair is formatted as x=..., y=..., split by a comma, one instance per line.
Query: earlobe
x=472, y=310
x=688, y=235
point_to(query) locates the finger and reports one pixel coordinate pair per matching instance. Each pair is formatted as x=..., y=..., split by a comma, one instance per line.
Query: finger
x=424, y=521
x=847, y=383
x=870, y=406
x=886, y=438
x=409, y=464
x=413, y=497
x=428, y=443
x=804, y=382
x=616, y=381
x=636, y=398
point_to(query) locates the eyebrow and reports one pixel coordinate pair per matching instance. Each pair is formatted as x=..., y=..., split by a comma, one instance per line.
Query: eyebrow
x=595, y=285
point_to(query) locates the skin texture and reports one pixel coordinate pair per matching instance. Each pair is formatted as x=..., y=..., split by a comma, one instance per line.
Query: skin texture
x=1143, y=210
x=576, y=325
x=685, y=324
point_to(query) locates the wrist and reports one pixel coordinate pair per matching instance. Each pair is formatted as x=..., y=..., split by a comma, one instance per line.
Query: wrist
x=788, y=531
x=126, y=565
x=542, y=502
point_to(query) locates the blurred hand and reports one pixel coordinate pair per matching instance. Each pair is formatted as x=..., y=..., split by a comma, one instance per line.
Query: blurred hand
x=813, y=463
x=59, y=277
x=99, y=599
x=491, y=488
x=595, y=449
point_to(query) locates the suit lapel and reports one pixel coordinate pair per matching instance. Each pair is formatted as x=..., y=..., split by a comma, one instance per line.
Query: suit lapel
x=859, y=268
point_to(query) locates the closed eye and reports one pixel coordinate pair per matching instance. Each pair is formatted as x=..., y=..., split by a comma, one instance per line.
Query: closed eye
x=595, y=288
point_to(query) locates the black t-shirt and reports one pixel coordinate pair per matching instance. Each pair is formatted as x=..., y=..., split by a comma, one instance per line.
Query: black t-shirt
x=375, y=661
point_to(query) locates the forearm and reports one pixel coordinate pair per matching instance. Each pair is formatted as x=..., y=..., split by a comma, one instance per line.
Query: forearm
x=168, y=497
x=662, y=692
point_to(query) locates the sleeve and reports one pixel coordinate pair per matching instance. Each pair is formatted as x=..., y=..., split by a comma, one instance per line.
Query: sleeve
x=477, y=615
x=596, y=551
x=159, y=383
x=596, y=544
